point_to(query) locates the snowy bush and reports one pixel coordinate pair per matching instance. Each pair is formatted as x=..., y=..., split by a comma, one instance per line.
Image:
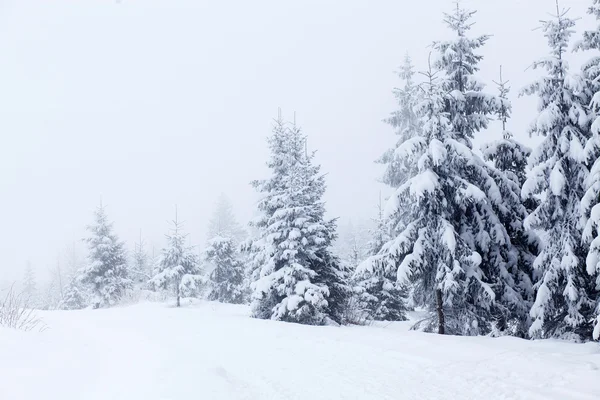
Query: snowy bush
x=15, y=313
x=356, y=312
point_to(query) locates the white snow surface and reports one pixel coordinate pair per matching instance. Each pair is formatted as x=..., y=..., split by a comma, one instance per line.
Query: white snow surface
x=211, y=351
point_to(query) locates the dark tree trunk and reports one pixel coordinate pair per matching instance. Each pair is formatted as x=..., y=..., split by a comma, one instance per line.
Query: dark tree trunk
x=440, y=312
x=178, y=297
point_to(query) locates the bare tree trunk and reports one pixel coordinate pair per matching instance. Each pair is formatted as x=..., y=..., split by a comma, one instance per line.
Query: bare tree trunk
x=440, y=311
x=178, y=297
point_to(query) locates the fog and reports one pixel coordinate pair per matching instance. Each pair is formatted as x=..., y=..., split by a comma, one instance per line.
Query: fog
x=148, y=104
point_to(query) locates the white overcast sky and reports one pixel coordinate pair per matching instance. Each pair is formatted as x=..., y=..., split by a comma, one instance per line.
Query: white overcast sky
x=151, y=103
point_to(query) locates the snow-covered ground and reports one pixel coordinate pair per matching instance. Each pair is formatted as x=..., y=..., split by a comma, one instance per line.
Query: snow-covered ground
x=213, y=351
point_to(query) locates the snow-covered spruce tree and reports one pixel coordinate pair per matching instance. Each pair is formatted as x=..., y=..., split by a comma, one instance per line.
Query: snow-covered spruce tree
x=352, y=245
x=381, y=294
x=29, y=286
x=140, y=269
x=223, y=222
x=507, y=154
x=510, y=158
x=53, y=291
x=106, y=271
x=590, y=205
x=558, y=173
x=404, y=120
x=226, y=280
x=153, y=262
x=448, y=237
x=74, y=261
x=469, y=110
x=296, y=278
x=74, y=296
x=178, y=268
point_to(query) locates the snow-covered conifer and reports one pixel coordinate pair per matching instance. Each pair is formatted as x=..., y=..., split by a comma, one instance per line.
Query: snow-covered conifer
x=296, y=278
x=226, y=280
x=178, y=268
x=404, y=120
x=74, y=296
x=223, y=222
x=448, y=239
x=106, y=271
x=469, y=108
x=591, y=200
x=29, y=286
x=140, y=269
x=53, y=290
x=558, y=174
x=510, y=159
x=507, y=154
x=352, y=244
x=381, y=294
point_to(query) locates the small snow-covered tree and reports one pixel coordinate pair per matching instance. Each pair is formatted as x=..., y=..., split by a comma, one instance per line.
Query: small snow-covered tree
x=153, y=261
x=352, y=244
x=30, y=287
x=74, y=297
x=74, y=261
x=381, y=294
x=404, y=120
x=53, y=290
x=224, y=224
x=590, y=205
x=226, y=280
x=296, y=278
x=178, y=268
x=507, y=154
x=140, y=269
x=558, y=173
x=106, y=271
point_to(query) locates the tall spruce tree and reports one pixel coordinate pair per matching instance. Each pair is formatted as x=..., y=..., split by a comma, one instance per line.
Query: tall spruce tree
x=296, y=278
x=510, y=158
x=470, y=109
x=448, y=238
x=226, y=280
x=403, y=120
x=590, y=205
x=106, y=271
x=382, y=295
x=563, y=307
x=178, y=268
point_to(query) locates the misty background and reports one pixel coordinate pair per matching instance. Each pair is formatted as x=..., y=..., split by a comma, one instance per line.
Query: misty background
x=148, y=104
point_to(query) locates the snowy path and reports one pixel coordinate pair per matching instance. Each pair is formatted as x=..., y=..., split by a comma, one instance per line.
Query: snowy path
x=212, y=351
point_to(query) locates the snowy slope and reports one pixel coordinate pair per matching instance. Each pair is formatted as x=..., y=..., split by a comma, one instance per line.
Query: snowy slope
x=214, y=351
